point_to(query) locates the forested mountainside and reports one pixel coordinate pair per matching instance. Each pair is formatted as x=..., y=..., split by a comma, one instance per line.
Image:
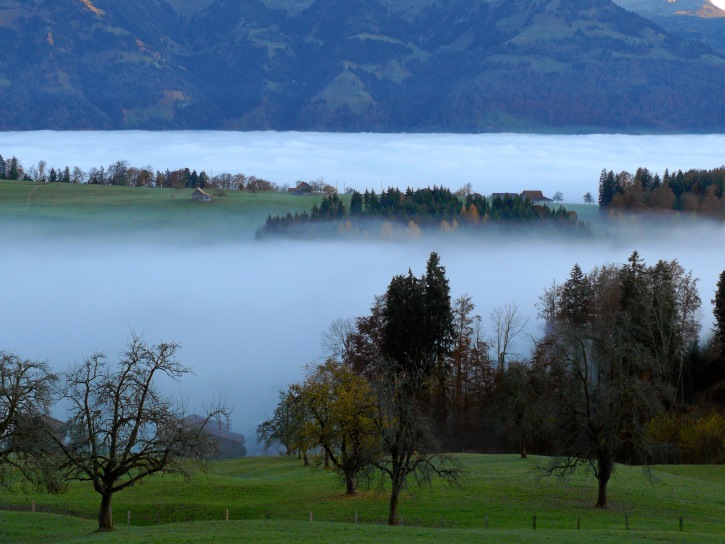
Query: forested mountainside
x=351, y=65
x=697, y=20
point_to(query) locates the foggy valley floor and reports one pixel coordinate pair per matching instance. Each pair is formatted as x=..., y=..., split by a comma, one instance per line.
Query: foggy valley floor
x=249, y=314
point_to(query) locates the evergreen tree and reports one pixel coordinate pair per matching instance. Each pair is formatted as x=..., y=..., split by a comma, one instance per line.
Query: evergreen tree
x=438, y=313
x=719, y=311
x=203, y=179
x=3, y=170
x=53, y=176
x=607, y=188
x=356, y=204
x=575, y=298
x=14, y=170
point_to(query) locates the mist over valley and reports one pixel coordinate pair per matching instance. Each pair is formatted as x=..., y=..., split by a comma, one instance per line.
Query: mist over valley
x=250, y=314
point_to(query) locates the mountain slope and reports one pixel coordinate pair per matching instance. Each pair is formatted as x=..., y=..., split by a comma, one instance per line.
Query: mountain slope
x=350, y=65
x=697, y=20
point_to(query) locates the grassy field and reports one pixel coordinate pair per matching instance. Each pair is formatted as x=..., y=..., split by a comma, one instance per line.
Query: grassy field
x=75, y=209
x=92, y=209
x=270, y=500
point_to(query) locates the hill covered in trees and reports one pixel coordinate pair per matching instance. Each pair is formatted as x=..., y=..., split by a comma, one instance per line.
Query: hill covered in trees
x=396, y=212
x=351, y=65
x=697, y=192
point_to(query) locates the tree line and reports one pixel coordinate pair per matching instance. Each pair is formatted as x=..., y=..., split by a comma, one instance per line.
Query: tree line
x=121, y=173
x=428, y=207
x=695, y=191
x=619, y=376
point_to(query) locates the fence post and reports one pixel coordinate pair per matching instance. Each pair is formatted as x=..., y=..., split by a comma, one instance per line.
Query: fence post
x=32, y=507
x=680, y=523
x=485, y=521
x=227, y=514
x=626, y=522
x=128, y=517
x=310, y=517
x=401, y=521
x=534, y=521
x=579, y=523
x=355, y=517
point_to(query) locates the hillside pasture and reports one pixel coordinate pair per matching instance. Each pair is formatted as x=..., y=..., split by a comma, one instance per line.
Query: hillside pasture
x=101, y=209
x=270, y=498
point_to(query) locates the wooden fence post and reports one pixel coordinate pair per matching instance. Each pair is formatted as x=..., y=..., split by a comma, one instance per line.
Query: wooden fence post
x=485, y=521
x=579, y=523
x=227, y=514
x=32, y=507
x=128, y=517
x=310, y=517
x=626, y=522
x=534, y=521
x=680, y=523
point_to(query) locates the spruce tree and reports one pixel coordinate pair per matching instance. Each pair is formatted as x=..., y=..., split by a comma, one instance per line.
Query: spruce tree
x=719, y=311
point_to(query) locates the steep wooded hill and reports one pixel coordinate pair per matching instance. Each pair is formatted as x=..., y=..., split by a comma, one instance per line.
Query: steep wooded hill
x=351, y=65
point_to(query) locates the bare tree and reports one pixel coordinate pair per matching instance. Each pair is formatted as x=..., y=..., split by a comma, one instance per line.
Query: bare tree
x=25, y=398
x=121, y=430
x=337, y=340
x=509, y=324
x=408, y=445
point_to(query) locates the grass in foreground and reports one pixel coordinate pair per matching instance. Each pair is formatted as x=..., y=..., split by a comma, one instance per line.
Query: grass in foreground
x=270, y=499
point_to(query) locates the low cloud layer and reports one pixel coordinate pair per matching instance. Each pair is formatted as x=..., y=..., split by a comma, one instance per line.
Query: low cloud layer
x=249, y=315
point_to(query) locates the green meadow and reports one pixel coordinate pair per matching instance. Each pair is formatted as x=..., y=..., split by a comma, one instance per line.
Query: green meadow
x=100, y=209
x=270, y=499
x=70, y=209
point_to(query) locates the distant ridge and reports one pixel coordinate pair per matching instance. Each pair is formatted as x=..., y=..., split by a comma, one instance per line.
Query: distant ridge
x=356, y=65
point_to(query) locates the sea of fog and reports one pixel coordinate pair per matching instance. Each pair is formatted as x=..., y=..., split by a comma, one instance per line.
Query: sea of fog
x=570, y=164
x=250, y=314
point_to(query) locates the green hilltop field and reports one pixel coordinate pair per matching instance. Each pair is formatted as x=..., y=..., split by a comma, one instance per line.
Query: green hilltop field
x=97, y=209
x=105, y=209
x=270, y=499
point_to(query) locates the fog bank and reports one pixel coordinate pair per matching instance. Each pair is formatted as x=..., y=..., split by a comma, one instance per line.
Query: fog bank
x=249, y=315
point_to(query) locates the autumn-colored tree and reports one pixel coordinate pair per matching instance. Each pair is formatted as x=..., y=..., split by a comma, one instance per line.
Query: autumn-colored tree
x=340, y=407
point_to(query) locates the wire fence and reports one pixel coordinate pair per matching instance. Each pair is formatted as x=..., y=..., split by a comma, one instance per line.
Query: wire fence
x=162, y=514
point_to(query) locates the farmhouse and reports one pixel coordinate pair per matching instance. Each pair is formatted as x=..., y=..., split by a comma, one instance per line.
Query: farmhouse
x=503, y=196
x=200, y=196
x=537, y=197
x=302, y=188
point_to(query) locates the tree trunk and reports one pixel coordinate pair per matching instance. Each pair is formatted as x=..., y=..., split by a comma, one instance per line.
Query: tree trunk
x=306, y=459
x=105, y=514
x=393, y=515
x=605, y=469
x=349, y=483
